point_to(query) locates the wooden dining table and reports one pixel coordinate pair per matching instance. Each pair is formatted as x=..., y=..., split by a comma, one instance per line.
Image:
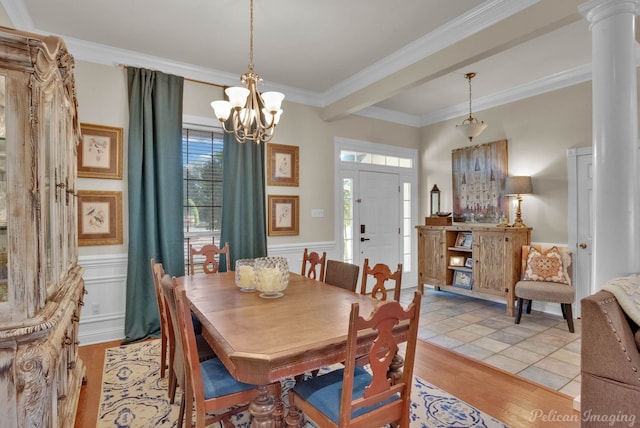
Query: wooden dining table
x=263, y=340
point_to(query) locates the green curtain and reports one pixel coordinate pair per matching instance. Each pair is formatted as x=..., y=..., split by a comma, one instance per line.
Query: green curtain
x=243, y=199
x=155, y=193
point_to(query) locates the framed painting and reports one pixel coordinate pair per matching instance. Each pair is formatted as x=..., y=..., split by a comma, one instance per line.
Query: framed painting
x=100, y=152
x=283, y=215
x=478, y=183
x=282, y=165
x=99, y=218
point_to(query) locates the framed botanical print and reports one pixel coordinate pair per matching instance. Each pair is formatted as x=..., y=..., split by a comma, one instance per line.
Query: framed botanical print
x=282, y=165
x=99, y=218
x=100, y=152
x=284, y=215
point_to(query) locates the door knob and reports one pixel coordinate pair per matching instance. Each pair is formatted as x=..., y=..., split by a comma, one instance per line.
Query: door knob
x=582, y=245
x=364, y=239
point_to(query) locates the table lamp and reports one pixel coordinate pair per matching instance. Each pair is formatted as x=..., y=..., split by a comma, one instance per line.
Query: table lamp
x=518, y=186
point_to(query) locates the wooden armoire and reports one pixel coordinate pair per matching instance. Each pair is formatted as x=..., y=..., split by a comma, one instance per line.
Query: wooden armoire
x=41, y=285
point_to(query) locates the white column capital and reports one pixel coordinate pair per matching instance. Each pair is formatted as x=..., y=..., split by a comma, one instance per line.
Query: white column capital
x=597, y=10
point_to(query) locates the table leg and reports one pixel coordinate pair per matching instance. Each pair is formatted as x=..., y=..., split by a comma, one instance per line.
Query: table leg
x=293, y=418
x=262, y=409
x=278, y=414
x=395, y=368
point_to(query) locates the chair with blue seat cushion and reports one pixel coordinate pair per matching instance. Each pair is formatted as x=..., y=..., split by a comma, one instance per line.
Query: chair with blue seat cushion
x=354, y=396
x=209, y=385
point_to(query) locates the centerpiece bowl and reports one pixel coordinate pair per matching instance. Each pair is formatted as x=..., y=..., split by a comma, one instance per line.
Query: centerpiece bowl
x=246, y=274
x=272, y=276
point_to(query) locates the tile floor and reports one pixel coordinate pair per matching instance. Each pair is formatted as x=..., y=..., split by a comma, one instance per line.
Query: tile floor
x=540, y=348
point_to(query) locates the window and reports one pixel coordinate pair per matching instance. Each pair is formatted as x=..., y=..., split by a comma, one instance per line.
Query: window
x=202, y=166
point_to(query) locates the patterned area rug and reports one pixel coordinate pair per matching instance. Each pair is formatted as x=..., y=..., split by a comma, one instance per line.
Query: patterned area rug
x=134, y=395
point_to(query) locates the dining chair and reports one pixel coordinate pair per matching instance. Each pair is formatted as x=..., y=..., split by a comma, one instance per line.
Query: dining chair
x=176, y=361
x=354, y=396
x=209, y=385
x=211, y=253
x=315, y=265
x=342, y=274
x=157, y=272
x=381, y=273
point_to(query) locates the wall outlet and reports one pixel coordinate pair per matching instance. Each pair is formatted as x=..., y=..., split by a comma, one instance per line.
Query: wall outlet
x=95, y=308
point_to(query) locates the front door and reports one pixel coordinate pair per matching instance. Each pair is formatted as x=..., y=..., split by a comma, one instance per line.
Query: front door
x=378, y=228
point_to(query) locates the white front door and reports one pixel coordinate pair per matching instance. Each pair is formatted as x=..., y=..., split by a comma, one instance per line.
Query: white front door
x=378, y=227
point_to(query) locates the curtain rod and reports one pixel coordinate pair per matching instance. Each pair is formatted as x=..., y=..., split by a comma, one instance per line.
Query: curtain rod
x=124, y=67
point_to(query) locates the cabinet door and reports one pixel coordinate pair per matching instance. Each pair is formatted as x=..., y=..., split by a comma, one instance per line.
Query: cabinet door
x=431, y=262
x=489, y=255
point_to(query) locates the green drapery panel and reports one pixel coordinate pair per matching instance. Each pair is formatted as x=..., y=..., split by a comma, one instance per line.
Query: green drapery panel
x=243, y=199
x=155, y=193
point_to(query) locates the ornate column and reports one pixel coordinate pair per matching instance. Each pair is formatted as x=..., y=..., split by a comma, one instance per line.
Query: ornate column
x=616, y=185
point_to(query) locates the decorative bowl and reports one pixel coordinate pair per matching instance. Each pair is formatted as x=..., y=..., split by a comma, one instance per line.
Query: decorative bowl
x=246, y=274
x=442, y=214
x=272, y=276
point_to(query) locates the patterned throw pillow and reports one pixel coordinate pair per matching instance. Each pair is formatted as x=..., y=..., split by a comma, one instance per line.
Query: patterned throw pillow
x=548, y=266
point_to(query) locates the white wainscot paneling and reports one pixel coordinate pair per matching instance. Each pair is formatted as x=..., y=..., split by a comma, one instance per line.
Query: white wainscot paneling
x=294, y=252
x=102, y=317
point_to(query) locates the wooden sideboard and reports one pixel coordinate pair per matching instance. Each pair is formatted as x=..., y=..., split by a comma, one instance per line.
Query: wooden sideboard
x=494, y=265
x=41, y=285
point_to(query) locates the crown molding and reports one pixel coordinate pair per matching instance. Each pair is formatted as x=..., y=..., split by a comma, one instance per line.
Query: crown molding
x=18, y=14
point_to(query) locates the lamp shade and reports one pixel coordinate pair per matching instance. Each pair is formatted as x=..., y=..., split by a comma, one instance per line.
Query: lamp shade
x=518, y=185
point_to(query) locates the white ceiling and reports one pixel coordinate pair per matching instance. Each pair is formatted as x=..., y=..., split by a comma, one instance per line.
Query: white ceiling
x=402, y=60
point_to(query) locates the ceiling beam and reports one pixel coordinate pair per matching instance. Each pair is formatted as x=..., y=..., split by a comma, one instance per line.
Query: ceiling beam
x=541, y=18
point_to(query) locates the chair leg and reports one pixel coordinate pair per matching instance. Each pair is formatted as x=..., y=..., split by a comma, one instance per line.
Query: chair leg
x=519, y=313
x=173, y=383
x=163, y=354
x=567, y=309
x=181, y=413
x=529, y=303
x=564, y=310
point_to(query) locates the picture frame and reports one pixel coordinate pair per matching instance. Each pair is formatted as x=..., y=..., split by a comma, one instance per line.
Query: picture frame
x=456, y=261
x=99, y=217
x=100, y=152
x=463, y=240
x=462, y=279
x=468, y=262
x=283, y=165
x=283, y=215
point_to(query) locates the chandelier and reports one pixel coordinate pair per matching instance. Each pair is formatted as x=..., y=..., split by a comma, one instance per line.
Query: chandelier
x=470, y=127
x=254, y=116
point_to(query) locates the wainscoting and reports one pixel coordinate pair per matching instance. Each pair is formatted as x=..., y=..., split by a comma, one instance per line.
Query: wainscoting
x=105, y=277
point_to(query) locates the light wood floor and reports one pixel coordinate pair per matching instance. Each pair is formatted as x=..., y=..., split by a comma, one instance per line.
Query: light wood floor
x=513, y=400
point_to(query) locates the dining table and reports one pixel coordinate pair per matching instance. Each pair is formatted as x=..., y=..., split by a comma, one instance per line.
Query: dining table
x=264, y=340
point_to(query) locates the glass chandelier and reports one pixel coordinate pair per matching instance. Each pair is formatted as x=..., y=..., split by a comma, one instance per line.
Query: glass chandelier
x=254, y=116
x=470, y=127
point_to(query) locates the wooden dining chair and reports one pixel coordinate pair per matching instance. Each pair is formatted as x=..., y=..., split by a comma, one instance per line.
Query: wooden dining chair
x=354, y=396
x=176, y=360
x=157, y=272
x=342, y=274
x=209, y=385
x=315, y=265
x=211, y=253
x=381, y=273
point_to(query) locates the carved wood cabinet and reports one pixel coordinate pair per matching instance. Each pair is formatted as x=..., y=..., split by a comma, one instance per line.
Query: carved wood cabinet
x=490, y=259
x=41, y=285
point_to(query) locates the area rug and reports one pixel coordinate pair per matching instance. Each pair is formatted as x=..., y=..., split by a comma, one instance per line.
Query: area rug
x=134, y=396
